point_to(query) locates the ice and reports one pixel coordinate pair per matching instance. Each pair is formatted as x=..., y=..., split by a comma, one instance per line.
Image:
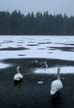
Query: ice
x=63, y=70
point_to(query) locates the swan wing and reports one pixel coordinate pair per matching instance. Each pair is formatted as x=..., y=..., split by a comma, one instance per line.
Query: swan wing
x=18, y=76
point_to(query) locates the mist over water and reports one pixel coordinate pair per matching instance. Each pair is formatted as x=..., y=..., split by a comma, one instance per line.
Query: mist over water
x=49, y=47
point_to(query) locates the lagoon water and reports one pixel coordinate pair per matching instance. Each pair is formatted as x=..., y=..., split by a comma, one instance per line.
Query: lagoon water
x=49, y=47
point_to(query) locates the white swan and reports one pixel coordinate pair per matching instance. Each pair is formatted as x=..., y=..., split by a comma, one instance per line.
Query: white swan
x=56, y=85
x=18, y=77
x=46, y=65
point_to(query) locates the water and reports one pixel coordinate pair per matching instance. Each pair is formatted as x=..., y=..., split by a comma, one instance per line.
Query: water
x=50, y=47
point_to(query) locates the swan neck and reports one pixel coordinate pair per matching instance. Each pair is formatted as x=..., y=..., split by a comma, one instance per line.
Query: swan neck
x=46, y=66
x=58, y=74
x=18, y=71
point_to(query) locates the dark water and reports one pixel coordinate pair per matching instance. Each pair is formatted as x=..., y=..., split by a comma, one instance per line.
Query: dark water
x=30, y=94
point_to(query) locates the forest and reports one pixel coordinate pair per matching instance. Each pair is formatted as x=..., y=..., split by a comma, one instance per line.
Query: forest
x=16, y=23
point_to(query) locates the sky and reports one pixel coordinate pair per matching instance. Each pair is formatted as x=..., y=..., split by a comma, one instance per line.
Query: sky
x=52, y=6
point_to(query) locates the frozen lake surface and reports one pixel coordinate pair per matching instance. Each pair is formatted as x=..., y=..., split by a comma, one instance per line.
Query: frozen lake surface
x=59, y=47
x=50, y=47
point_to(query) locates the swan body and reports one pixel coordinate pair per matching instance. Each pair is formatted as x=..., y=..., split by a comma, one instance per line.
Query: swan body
x=56, y=85
x=18, y=76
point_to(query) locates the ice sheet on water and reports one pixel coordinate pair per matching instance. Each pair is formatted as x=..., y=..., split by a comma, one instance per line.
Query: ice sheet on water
x=63, y=70
x=3, y=65
x=33, y=50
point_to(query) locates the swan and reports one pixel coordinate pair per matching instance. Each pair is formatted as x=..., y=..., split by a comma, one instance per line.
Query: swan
x=57, y=84
x=44, y=65
x=18, y=76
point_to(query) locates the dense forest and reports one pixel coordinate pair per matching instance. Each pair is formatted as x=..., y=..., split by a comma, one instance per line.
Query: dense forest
x=16, y=23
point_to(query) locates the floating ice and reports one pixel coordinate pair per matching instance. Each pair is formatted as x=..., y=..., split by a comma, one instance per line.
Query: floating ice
x=40, y=82
x=63, y=70
x=3, y=65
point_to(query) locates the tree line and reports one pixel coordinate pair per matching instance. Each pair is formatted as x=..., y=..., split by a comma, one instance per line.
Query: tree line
x=16, y=23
